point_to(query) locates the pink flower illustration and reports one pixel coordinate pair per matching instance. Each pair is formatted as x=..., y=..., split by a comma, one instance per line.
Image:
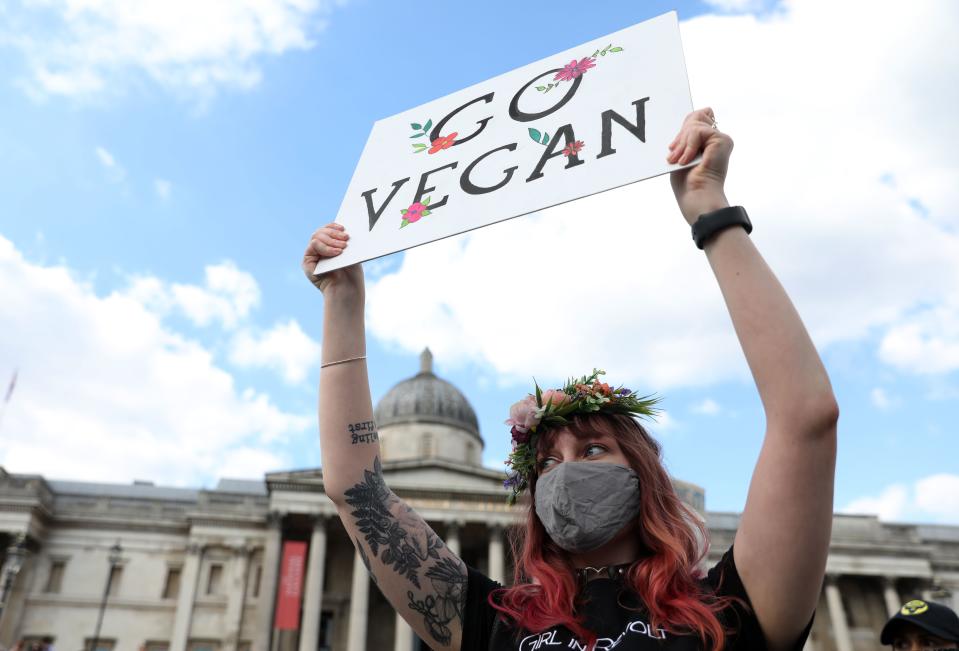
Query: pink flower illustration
x=574, y=69
x=414, y=212
x=573, y=148
x=443, y=142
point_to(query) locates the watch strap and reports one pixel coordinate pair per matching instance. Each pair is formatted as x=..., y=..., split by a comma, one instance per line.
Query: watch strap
x=711, y=223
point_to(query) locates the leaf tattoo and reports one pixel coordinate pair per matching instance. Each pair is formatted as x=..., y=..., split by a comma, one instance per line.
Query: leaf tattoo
x=404, y=550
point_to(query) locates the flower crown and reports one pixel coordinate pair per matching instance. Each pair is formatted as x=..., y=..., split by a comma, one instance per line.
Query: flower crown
x=536, y=412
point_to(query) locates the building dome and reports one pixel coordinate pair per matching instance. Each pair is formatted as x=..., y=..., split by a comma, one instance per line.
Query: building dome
x=425, y=398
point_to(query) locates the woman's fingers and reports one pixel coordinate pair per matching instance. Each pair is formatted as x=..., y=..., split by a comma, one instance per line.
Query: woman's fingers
x=324, y=246
x=698, y=127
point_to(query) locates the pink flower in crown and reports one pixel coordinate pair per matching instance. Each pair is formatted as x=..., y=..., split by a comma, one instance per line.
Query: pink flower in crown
x=523, y=415
x=574, y=69
x=555, y=397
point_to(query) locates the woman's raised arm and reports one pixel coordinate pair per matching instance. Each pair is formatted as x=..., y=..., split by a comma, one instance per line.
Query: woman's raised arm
x=416, y=572
x=783, y=537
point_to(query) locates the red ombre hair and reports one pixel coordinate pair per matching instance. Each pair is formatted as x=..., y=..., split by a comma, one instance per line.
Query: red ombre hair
x=666, y=577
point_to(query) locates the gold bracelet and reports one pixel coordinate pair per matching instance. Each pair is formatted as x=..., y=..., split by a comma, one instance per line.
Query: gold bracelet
x=343, y=361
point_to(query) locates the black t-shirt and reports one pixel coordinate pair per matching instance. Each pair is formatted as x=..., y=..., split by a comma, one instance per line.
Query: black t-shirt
x=617, y=627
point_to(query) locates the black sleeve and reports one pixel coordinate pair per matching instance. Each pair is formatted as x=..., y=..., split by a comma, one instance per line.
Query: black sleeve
x=739, y=618
x=478, y=615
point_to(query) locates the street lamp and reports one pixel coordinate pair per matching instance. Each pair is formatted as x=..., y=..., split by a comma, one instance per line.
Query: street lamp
x=115, y=556
x=16, y=554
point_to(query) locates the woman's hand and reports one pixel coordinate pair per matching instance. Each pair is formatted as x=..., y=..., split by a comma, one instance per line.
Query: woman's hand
x=328, y=242
x=699, y=189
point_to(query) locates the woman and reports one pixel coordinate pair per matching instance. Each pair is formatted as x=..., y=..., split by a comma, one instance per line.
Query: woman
x=609, y=557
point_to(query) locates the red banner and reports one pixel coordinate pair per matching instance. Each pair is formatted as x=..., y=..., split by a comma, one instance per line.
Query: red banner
x=290, y=590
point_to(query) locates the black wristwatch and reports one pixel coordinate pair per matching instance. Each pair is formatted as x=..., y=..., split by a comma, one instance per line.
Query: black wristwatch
x=711, y=223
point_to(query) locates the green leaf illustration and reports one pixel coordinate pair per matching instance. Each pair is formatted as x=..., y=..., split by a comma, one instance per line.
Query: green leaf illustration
x=541, y=88
x=402, y=211
x=417, y=135
x=404, y=224
x=545, y=138
x=418, y=147
x=426, y=201
x=426, y=127
x=616, y=49
x=535, y=135
x=603, y=53
x=416, y=126
x=426, y=212
x=595, y=54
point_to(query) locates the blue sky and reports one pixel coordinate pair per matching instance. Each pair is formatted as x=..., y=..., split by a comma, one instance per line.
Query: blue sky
x=163, y=165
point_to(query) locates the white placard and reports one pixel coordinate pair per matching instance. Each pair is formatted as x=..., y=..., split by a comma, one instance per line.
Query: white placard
x=588, y=119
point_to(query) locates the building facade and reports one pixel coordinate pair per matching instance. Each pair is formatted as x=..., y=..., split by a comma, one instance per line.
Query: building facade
x=174, y=569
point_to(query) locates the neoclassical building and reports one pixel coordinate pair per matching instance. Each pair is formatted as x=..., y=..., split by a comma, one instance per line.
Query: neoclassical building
x=265, y=565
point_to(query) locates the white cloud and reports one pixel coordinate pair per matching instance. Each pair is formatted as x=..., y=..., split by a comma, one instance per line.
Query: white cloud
x=708, y=407
x=830, y=174
x=226, y=297
x=736, y=6
x=82, y=48
x=163, y=188
x=934, y=498
x=926, y=342
x=939, y=495
x=106, y=391
x=881, y=400
x=889, y=505
x=284, y=348
x=114, y=171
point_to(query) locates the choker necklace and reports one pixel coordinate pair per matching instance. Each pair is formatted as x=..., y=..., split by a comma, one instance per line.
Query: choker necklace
x=584, y=574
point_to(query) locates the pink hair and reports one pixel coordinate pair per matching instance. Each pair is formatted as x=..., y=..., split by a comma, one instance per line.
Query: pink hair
x=666, y=578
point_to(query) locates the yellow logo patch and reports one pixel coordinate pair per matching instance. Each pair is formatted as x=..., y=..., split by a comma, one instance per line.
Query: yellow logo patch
x=914, y=607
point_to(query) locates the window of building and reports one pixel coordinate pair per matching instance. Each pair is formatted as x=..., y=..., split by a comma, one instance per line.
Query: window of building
x=156, y=646
x=214, y=579
x=171, y=589
x=326, y=630
x=116, y=575
x=203, y=645
x=102, y=644
x=55, y=578
x=257, y=575
x=426, y=445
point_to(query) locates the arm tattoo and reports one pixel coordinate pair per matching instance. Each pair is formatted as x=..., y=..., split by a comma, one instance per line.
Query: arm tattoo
x=366, y=561
x=405, y=550
x=363, y=432
x=401, y=540
x=449, y=581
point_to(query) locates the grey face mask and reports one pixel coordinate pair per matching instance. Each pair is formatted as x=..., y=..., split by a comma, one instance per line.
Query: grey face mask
x=584, y=504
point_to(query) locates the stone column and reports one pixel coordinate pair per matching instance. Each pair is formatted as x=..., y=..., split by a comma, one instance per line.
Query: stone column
x=837, y=614
x=19, y=586
x=236, y=596
x=186, y=598
x=496, y=560
x=359, y=601
x=453, y=537
x=268, y=578
x=403, y=639
x=890, y=595
x=313, y=594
